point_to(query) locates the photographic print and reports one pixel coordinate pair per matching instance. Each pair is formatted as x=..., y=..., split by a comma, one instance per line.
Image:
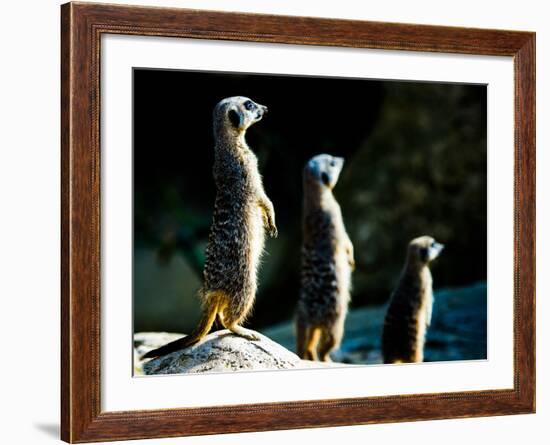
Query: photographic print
x=294, y=222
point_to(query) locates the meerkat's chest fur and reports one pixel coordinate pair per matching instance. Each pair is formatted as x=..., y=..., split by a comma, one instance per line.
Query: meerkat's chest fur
x=236, y=238
x=409, y=313
x=422, y=301
x=414, y=295
x=326, y=271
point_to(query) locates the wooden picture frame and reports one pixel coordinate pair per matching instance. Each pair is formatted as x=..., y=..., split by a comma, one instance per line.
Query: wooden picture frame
x=82, y=25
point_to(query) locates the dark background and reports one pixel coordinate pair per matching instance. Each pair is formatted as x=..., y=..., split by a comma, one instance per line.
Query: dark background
x=415, y=164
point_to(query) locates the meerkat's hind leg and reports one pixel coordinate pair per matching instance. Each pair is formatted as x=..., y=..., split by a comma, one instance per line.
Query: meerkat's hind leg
x=417, y=356
x=232, y=325
x=330, y=340
x=398, y=358
x=312, y=335
x=218, y=325
x=243, y=332
x=327, y=345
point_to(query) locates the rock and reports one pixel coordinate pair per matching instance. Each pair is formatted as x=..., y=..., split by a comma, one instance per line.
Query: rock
x=220, y=351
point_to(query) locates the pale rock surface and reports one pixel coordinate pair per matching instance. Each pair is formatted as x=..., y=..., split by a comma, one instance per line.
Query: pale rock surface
x=220, y=351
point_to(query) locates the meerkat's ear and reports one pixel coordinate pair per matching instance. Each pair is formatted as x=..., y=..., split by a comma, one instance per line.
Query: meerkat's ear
x=424, y=254
x=234, y=117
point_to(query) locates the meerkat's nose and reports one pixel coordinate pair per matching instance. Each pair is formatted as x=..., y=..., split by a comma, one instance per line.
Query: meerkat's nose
x=264, y=109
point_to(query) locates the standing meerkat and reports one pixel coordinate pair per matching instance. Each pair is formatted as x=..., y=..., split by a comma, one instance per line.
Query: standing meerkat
x=410, y=311
x=327, y=263
x=242, y=214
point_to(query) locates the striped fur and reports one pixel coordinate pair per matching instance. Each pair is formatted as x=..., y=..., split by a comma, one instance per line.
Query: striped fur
x=327, y=263
x=242, y=214
x=410, y=310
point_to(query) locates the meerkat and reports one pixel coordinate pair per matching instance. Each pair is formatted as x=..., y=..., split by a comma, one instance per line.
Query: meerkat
x=409, y=313
x=327, y=263
x=242, y=215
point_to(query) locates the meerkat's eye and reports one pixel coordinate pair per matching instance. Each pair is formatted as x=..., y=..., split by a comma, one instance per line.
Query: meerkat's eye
x=249, y=105
x=333, y=163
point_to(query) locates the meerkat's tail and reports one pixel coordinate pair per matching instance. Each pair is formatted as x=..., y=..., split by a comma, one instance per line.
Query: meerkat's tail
x=211, y=311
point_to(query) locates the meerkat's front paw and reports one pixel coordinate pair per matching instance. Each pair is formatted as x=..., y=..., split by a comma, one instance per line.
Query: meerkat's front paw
x=272, y=230
x=351, y=258
x=270, y=227
x=270, y=224
x=268, y=213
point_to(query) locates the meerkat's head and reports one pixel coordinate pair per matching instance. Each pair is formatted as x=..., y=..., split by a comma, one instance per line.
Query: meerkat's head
x=424, y=250
x=236, y=114
x=324, y=170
